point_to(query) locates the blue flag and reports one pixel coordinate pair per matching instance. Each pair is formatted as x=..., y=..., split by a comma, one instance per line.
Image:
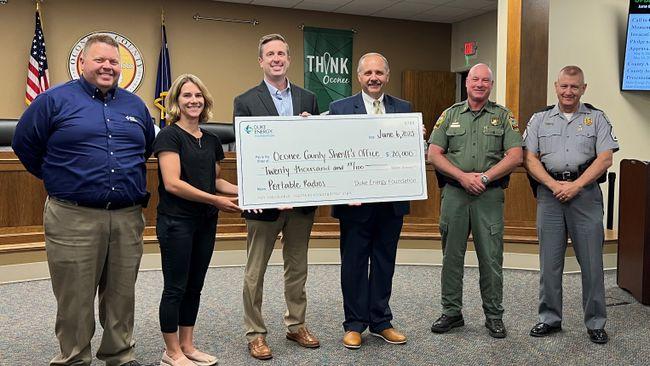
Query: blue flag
x=163, y=79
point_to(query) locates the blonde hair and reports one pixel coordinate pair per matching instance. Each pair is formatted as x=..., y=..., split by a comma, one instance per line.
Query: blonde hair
x=171, y=101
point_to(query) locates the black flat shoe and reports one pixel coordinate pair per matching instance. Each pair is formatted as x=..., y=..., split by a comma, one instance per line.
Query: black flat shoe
x=496, y=328
x=598, y=335
x=446, y=323
x=543, y=329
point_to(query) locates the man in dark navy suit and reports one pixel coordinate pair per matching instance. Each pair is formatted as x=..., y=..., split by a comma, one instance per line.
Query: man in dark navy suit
x=369, y=232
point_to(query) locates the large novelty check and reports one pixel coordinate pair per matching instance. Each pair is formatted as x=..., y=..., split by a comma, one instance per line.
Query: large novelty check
x=325, y=160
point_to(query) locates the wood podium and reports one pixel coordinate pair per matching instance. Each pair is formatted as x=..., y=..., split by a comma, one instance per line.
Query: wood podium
x=633, y=269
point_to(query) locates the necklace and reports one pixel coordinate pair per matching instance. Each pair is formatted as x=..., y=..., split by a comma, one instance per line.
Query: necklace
x=188, y=130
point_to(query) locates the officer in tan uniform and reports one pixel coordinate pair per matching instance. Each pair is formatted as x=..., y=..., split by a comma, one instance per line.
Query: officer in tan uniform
x=568, y=147
x=474, y=147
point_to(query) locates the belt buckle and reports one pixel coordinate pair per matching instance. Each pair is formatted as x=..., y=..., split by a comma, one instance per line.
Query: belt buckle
x=566, y=176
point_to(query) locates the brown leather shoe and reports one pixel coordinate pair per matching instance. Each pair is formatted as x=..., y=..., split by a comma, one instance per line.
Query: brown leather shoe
x=304, y=338
x=391, y=336
x=352, y=339
x=259, y=349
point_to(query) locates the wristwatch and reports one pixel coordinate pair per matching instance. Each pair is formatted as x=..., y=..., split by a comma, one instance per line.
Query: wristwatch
x=485, y=179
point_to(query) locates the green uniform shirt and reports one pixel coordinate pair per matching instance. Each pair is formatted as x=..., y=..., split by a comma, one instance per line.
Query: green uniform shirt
x=474, y=142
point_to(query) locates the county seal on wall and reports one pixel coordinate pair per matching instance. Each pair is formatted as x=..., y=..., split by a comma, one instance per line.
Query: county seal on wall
x=130, y=58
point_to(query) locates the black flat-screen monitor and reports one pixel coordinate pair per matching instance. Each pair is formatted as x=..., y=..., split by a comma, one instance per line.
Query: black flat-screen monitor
x=636, y=67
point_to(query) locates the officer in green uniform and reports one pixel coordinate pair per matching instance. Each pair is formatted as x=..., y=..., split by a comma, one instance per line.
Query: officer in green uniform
x=474, y=146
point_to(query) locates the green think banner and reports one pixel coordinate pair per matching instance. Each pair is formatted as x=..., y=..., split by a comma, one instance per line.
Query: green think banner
x=328, y=64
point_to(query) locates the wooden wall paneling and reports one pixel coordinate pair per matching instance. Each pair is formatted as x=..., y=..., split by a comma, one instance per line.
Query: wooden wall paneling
x=534, y=59
x=520, y=205
x=429, y=92
x=513, y=57
x=633, y=269
x=427, y=211
x=152, y=187
x=22, y=197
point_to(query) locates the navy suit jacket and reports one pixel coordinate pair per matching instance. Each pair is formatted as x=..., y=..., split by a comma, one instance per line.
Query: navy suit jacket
x=257, y=102
x=355, y=105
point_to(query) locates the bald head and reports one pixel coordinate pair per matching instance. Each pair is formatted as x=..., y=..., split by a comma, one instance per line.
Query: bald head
x=479, y=85
x=372, y=55
x=572, y=70
x=481, y=69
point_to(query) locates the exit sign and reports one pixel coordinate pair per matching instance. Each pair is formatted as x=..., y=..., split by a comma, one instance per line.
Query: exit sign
x=470, y=48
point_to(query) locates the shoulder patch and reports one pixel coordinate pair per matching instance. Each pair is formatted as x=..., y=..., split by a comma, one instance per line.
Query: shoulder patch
x=611, y=128
x=497, y=105
x=606, y=119
x=592, y=107
x=513, y=122
x=440, y=120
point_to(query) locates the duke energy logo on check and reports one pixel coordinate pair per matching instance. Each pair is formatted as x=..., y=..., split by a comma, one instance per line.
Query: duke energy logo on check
x=259, y=130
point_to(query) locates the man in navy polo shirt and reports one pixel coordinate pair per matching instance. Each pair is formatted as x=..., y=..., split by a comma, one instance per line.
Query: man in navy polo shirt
x=88, y=140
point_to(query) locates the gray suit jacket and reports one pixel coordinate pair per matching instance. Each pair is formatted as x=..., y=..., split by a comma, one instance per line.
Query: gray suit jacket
x=257, y=102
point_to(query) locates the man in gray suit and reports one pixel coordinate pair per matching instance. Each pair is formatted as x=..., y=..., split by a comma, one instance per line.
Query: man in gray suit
x=276, y=96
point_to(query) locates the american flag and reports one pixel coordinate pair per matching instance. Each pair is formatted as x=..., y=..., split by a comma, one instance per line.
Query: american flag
x=38, y=78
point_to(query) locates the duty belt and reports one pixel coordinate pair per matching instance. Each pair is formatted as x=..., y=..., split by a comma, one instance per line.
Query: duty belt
x=443, y=179
x=565, y=176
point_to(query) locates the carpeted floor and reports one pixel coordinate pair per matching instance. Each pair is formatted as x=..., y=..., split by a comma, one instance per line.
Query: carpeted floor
x=27, y=313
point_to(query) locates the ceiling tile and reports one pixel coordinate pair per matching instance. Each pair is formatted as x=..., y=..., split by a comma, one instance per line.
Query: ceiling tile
x=472, y=4
x=235, y=1
x=277, y=3
x=431, y=18
x=403, y=10
x=429, y=2
x=447, y=11
x=364, y=7
x=442, y=11
x=321, y=5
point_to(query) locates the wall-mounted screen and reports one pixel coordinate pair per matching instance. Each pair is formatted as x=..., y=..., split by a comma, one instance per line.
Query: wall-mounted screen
x=636, y=68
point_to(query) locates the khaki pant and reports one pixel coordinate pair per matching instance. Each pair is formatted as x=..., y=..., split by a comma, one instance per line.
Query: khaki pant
x=88, y=251
x=296, y=229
